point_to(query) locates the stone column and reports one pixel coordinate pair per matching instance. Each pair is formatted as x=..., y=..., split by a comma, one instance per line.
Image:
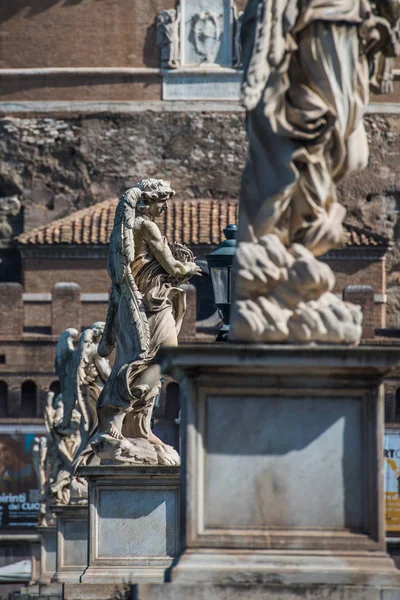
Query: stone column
x=282, y=472
x=65, y=307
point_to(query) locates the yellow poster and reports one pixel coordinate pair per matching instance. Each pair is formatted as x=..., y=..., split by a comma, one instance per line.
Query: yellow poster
x=392, y=480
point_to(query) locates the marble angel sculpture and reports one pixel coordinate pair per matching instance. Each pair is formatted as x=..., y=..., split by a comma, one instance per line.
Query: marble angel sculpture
x=306, y=83
x=40, y=464
x=168, y=22
x=71, y=417
x=146, y=310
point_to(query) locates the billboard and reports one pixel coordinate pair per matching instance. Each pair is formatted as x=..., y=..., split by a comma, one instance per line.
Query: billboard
x=392, y=480
x=19, y=493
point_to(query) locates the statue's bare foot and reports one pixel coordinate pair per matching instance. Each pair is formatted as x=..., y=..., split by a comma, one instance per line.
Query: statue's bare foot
x=113, y=431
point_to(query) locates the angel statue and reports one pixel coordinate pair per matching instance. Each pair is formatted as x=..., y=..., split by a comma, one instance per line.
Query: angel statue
x=40, y=463
x=305, y=88
x=71, y=417
x=168, y=37
x=145, y=313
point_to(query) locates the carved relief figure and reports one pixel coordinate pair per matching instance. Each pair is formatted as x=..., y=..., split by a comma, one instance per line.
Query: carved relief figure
x=206, y=35
x=168, y=37
x=237, y=43
x=71, y=417
x=145, y=313
x=10, y=206
x=305, y=90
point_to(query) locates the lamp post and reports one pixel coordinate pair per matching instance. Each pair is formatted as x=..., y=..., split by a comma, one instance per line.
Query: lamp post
x=220, y=264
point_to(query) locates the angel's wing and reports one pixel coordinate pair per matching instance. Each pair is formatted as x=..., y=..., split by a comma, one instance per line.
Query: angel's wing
x=64, y=354
x=120, y=258
x=66, y=365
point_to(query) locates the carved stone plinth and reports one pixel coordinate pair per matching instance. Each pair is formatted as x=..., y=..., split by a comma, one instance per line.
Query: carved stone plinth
x=48, y=551
x=133, y=523
x=72, y=542
x=282, y=465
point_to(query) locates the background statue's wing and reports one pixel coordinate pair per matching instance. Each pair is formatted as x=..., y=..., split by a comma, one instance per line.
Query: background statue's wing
x=64, y=354
x=66, y=366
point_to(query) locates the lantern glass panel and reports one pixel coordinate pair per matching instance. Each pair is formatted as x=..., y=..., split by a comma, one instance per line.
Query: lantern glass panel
x=220, y=282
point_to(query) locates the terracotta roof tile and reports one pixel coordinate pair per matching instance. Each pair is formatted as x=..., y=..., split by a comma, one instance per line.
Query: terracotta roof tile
x=193, y=222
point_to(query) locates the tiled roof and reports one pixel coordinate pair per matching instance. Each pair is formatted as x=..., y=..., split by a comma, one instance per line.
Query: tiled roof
x=192, y=222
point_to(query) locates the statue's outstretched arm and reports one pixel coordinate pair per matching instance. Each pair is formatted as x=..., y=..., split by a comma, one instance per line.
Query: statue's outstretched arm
x=162, y=252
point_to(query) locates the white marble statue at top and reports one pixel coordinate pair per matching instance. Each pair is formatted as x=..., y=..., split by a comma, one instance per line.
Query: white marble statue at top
x=146, y=310
x=305, y=88
x=71, y=417
x=168, y=22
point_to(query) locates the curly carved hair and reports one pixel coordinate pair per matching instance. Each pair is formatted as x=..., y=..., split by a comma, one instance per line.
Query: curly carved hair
x=155, y=190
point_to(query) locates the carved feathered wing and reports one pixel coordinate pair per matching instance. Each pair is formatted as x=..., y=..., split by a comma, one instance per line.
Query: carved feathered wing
x=66, y=370
x=120, y=258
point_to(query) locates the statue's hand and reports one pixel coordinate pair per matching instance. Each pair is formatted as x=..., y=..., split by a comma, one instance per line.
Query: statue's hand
x=192, y=269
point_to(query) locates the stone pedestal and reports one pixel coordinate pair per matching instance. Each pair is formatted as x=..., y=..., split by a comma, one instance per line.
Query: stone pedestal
x=48, y=552
x=133, y=523
x=72, y=542
x=282, y=466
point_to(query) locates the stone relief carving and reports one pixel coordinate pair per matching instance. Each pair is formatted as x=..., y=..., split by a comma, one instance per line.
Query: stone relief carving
x=201, y=35
x=237, y=42
x=206, y=35
x=10, y=206
x=168, y=37
x=71, y=417
x=306, y=132
x=145, y=313
x=381, y=65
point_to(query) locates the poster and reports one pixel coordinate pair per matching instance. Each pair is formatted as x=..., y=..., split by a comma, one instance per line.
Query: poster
x=392, y=480
x=19, y=493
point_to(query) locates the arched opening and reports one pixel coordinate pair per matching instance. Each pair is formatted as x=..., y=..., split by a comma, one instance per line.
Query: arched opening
x=3, y=399
x=55, y=388
x=28, y=399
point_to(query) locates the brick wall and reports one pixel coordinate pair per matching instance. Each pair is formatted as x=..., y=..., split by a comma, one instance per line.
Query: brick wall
x=41, y=274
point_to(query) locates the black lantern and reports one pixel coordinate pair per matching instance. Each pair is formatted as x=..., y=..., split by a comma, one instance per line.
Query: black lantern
x=220, y=264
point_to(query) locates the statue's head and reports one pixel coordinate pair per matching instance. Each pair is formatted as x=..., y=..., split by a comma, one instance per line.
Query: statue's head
x=166, y=16
x=98, y=328
x=155, y=194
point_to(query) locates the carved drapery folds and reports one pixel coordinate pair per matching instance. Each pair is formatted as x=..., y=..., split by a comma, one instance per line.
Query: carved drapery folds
x=305, y=88
x=168, y=37
x=145, y=313
x=71, y=417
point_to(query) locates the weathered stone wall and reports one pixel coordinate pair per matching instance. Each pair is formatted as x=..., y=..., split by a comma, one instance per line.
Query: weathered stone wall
x=58, y=165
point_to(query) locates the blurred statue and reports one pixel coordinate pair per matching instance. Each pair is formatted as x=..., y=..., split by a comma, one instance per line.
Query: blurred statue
x=71, y=417
x=305, y=88
x=39, y=460
x=237, y=43
x=168, y=37
x=146, y=310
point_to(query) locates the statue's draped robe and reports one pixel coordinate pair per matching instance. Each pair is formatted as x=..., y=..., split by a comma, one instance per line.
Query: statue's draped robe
x=305, y=127
x=165, y=306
